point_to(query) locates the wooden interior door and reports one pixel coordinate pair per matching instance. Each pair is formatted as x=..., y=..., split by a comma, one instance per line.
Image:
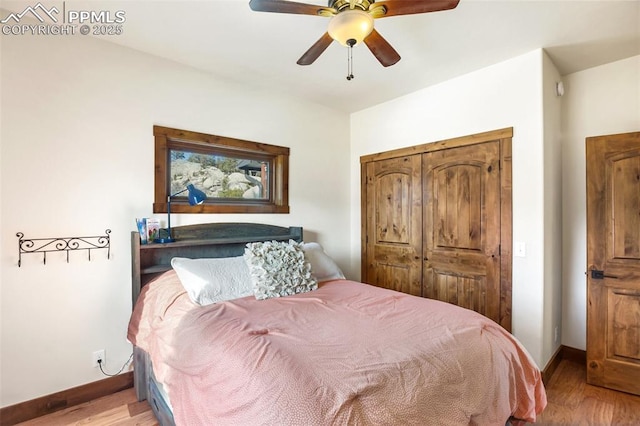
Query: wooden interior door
x=461, y=194
x=613, y=259
x=392, y=210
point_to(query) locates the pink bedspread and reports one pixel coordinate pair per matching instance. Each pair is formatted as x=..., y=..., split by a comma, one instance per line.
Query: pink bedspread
x=345, y=354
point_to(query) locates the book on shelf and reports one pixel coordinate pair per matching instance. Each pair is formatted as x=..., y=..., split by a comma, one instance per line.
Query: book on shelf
x=153, y=229
x=141, y=224
x=148, y=228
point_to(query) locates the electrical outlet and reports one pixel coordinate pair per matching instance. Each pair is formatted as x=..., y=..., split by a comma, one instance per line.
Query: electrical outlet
x=555, y=335
x=98, y=355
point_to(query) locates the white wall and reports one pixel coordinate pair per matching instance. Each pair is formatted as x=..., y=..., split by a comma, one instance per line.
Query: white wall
x=552, y=210
x=598, y=101
x=77, y=158
x=508, y=94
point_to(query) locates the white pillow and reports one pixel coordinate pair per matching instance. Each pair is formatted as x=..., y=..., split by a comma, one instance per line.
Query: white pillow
x=323, y=267
x=278, y=269
x=212, y=280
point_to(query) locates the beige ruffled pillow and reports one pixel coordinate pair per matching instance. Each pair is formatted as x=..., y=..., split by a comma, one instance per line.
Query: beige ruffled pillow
x=278, y=269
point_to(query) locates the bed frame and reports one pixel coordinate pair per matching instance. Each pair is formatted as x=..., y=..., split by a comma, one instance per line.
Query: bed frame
x=194, y=241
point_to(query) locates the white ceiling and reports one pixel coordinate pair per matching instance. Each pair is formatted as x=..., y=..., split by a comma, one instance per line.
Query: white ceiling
x=228, y=39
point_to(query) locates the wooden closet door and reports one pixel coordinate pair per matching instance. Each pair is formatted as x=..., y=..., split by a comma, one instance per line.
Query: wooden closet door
x=392, y=210
x=461, y=195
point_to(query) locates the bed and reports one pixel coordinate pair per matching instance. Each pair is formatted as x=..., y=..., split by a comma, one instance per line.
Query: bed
x=338, y=353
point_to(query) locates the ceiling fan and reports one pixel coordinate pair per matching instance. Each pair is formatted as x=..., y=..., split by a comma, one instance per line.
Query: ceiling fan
x=352, y=22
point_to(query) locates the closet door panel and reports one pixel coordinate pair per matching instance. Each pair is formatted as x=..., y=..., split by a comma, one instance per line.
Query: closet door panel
x=393, y=224
x=461, y=193
x=468, y=292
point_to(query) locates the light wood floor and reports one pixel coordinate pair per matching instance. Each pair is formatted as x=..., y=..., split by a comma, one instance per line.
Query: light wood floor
x=121, y=408
x=571, y=402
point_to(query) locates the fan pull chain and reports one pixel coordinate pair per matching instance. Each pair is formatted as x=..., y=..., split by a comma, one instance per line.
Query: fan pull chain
x=351, y=42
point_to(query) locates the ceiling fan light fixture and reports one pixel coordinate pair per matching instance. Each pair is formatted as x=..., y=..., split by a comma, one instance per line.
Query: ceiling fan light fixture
x=350, y=24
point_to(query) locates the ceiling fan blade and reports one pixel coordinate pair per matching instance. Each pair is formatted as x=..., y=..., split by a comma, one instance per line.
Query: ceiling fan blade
x=412, y=7
x=381, y=49
x=281, y=6
x=316, y=50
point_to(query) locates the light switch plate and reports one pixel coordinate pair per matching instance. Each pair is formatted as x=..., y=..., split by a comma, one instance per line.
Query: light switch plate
x=519, y=249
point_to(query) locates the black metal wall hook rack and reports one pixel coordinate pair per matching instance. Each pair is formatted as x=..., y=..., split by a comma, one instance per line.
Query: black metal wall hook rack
x=66, y=244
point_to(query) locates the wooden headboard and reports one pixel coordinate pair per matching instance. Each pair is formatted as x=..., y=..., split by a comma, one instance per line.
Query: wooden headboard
x=196, y=241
